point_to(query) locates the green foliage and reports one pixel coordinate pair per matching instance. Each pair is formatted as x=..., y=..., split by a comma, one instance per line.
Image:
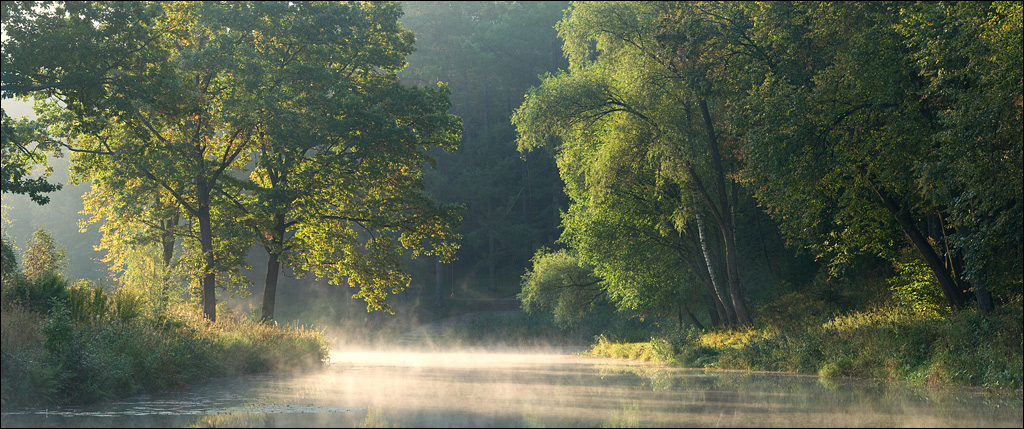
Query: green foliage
x=914, y=287
x=561, y=284
x=87, y=301
x=57, y=359
x=160, y=284
x=966, y=348
x=61, y=345
x=652, y=351
x=43, y=255
x=488, y=54
x=25, y=375
x=968, y=55
x=22, y=148
x=40, y=284
x=45, y=290
x=893, y=113
x=307, y=92
x=19, y=157
x=126, y=305
x=8, y=262
x=637, y=148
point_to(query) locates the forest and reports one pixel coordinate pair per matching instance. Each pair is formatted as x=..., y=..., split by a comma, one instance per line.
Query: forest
x=831, y=188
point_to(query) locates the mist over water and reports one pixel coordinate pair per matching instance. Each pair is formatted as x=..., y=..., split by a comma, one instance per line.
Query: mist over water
x=535, y=388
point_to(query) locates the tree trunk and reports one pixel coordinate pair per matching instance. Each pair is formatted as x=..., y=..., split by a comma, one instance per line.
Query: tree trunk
x=715, y=304
x=209, y=294
x=954, y=296
x=720, y=296
x=715, y=310
x=167, y=241
x=693, y=319
x=439, y=282
x=270, y=286
x=274, y=247
x=724, y=219
x=981, y=292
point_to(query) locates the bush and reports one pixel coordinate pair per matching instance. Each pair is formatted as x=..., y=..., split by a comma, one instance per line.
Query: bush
x=43, y=255
x=916, y=289
x=8, y=262
x=25, y=378
x=87, y=302
x=126, y=305
x=84, y=358
x=966, y=348
x=39, y=293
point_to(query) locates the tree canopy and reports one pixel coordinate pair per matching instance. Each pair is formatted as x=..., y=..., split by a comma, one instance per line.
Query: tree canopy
x=867, y=128
x=298, y=92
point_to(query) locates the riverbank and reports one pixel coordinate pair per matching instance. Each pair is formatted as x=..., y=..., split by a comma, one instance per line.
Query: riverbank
x=967, y=348
x=82, y=350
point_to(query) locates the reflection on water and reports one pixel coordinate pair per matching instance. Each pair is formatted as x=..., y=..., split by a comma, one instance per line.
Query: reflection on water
x=419, y=389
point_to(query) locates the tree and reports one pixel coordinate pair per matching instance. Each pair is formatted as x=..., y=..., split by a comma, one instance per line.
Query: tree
x=558, y=282
x=43, y=255
x=969, y=55
x=306, y=93
x=133, y=214
x=185, y=98
x=19, y=155
x=336, y=186
x=839, y=143
x=622, y=105
x=101, y=36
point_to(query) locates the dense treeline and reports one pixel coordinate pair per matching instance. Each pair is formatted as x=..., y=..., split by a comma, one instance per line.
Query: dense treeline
x=881, y=139
x=884, y=129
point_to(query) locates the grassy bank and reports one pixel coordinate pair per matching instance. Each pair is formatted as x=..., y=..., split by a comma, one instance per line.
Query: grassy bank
x=83, y=345
x=967, y=348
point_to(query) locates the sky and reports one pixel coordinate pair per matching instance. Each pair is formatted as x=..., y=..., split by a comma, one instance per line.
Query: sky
x=17, y=109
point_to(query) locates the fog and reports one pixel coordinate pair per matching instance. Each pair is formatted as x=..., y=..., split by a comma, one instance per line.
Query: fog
x=536, y=388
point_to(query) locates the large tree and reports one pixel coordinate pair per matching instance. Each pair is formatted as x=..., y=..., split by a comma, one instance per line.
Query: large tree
x=337, y=187
x=970, y=57
x=620, y=105
x=848, y=147
x=180, y=118
x=303, y=92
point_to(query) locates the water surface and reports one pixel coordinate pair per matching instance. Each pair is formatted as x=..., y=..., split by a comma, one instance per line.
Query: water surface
x=540, y=389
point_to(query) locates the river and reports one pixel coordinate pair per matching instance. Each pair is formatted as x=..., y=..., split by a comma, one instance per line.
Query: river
x=535, y=389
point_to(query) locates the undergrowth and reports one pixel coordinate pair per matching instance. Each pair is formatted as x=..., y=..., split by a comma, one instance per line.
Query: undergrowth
x=967, y=348
x=92, y=346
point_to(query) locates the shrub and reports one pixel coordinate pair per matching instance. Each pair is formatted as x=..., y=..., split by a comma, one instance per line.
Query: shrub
x=87, y=301
x=915, y=288
x=45, y=289
x=8, y=262
x=126, y=352
x=126, y=305
x=43, y=255
x=25, y=378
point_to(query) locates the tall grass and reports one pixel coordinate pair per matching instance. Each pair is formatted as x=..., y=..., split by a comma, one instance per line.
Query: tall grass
x=93, y=347
x=968, y=348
